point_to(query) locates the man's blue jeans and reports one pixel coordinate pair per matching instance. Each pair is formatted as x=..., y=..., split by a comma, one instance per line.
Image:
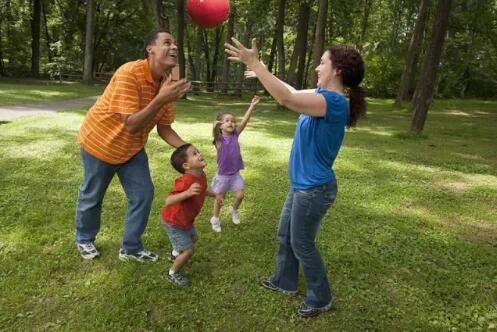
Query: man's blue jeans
x=300, y=219
x=135, y=179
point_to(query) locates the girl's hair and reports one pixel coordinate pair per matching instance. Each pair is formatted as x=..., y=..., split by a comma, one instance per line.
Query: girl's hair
x=349, y=61
x=216, y=131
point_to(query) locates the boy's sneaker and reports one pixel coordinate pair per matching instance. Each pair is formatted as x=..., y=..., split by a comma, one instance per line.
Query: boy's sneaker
x=305, y=311
x=266, y=283
x=216, y=224
x=87, y=250
x=141, y=256
x=178, y=279
x=235, y=216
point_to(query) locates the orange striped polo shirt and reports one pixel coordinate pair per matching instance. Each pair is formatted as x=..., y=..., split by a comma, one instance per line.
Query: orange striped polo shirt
x=103, y=133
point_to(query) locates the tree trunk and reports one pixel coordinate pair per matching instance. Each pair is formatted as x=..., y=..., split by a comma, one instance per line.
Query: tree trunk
x=217, y=46
x=161, y=21
x=426, y=83
x=413, y=52
x=70, y=14
x=308, y=64
x=270, y=63
x=89, y=50
x=226, y=62
x=319, y=37
x=47, y=35
x=2, y=68
x=205, y=44
x=300, y=49
x=241, y=67
x=193, y=70
x=396, y=24
x=35, y=35
x=198, y=47
x=280, y=46
x=364, y=24
x=180, y=35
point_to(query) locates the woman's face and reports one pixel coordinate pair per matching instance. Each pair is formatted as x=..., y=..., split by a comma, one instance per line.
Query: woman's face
x=325, y=71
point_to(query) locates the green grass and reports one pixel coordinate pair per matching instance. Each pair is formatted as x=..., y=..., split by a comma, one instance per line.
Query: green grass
x=410, y=244
x=22, y=91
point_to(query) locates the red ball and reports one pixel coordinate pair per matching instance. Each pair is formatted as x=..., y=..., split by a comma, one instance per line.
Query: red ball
x=208, y=13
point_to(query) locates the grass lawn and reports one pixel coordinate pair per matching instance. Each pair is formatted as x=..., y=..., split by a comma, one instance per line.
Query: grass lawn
x=30, y=91
x=410, y=243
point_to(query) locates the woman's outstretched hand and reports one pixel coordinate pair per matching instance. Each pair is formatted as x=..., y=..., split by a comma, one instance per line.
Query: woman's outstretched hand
x=240, y=53
x=250, y=73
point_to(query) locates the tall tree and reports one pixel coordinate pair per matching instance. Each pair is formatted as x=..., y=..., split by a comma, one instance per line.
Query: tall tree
x=247, y=33
x=161, y=21
x=212, y=64
x=317, y=50
x=365, y=22
x=2, y=67
x=407, y=79
x=297, y=63
x=180, y=35
x=226, y=62
x=47, y=35
x=277, y=46
x=426, y=83
x=198, y=57
x=35, y=37
x=272, y=54
x=280, y=45
x=89, y=47
x=191, y=64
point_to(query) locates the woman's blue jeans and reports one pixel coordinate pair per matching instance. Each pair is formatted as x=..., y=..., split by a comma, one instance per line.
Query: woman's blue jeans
x=300, y=219
x=137, y=184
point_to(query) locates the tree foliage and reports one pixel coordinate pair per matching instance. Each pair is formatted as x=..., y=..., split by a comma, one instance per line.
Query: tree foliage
x=382, y=30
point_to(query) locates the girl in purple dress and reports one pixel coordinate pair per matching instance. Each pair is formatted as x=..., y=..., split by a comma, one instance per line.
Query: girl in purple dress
x=229, y=162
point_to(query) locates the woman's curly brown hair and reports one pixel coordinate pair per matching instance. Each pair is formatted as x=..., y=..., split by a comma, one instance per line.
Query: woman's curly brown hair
x=349, y=61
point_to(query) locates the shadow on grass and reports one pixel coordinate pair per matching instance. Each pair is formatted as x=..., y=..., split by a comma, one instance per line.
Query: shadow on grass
x=395, y=259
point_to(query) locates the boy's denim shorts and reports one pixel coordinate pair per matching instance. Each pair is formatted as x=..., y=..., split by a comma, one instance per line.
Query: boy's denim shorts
x=181, y=239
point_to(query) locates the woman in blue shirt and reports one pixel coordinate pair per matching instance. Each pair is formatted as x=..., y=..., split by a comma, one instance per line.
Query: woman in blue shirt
x=324, y=115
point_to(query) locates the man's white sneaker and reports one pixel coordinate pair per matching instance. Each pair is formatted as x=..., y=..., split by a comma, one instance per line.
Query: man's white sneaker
x=216, y=224
x=235, y=216
x=87, y=250
x=141, y=256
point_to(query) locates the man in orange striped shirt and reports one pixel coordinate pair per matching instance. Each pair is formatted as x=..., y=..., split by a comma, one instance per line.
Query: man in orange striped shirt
x=112, y=138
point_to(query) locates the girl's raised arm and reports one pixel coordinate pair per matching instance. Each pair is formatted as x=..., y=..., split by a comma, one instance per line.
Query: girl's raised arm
x=248, y=114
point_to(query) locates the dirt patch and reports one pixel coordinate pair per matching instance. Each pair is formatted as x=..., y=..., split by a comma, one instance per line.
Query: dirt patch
x=457, y=186
x=477, y=231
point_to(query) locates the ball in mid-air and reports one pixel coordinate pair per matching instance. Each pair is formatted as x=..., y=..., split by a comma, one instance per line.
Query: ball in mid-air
x=208, y=13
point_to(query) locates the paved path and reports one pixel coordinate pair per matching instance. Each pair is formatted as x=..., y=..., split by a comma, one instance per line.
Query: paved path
x=9, y=113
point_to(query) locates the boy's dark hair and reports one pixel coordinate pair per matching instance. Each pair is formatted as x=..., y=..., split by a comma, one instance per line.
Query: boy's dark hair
x=150, y=39
x=178, y=158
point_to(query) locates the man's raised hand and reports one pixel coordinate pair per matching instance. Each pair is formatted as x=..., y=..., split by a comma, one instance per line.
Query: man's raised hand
x=170, y=91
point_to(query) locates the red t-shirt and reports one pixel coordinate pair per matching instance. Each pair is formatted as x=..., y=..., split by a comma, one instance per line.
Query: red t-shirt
x=182, y=214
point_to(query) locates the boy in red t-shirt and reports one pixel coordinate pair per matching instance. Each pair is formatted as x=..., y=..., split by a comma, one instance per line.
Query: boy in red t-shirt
x=183, y=204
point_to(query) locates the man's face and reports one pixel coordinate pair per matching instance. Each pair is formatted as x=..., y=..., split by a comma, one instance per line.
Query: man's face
x=164, y=51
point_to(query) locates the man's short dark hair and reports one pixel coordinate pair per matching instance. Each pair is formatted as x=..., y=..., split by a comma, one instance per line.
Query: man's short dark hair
x=179, y=157
x=151, y=37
